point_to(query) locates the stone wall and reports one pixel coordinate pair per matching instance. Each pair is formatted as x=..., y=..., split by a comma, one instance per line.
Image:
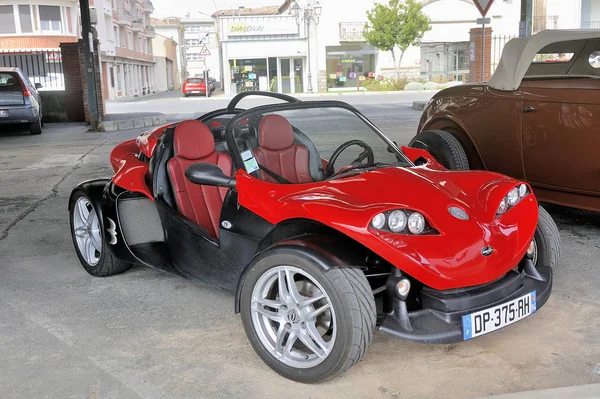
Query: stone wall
x=54, y=106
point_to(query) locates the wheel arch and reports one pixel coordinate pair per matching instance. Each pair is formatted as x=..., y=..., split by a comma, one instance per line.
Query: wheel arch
x=456, y=128
x=94, y=189
x=327, y=247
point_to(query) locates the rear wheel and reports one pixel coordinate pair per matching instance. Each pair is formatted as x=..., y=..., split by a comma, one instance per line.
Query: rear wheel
x=36, y=127
x=444, y=147
x=88, y=239
x=307, y=324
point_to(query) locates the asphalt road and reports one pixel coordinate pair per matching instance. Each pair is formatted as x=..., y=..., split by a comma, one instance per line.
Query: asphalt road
x=66, y=334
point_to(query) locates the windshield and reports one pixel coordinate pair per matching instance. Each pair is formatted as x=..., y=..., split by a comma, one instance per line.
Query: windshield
x=195, y=80
x=303, y=145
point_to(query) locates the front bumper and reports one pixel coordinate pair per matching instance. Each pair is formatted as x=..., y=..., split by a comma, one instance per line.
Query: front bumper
x=440, y=320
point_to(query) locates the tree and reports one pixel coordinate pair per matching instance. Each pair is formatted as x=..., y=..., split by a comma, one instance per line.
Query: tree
x=397, y=24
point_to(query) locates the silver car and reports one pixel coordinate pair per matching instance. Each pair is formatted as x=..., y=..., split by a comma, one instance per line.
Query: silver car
x=20, y=101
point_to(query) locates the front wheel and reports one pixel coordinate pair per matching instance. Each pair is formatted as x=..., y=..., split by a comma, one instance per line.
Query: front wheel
x=444, y=147
x=88, y=239
x=307, y=324
x=545, y=246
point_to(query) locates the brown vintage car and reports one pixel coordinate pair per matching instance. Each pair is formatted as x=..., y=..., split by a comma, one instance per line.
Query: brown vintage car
x=538, y=118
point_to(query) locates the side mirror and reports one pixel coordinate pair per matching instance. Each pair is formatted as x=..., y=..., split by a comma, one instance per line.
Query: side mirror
x=208, y=174
x=38, y=86
x=390, y=149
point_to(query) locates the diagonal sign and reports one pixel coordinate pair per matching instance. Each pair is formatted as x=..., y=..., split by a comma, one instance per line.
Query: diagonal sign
x=483, y=6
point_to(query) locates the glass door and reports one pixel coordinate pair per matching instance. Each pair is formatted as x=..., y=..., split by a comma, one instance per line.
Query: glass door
x=286, y=75
x=298, y=75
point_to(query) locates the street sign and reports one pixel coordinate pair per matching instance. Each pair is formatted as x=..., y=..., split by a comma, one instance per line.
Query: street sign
x=483, y=21
x=483, y=6
x=204, y=50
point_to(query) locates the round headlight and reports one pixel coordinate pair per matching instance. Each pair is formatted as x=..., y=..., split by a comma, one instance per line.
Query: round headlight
x=397, y=221
x=523, y=190
x=378, y=221
x=503, y=206
x=416, y=223
x=513, y=196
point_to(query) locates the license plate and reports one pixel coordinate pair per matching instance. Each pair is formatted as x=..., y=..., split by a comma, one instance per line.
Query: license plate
x=488, y=320
x=195, y=91
x=3, y=113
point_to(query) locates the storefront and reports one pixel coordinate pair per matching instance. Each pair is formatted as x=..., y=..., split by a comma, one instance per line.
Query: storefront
x=349, y=66
x=267, y=53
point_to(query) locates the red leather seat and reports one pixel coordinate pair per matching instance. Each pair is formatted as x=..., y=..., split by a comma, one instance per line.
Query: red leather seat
x=193, y=142
x=277, y=152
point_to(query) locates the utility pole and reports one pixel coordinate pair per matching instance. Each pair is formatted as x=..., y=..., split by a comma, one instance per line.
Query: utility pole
x=88, y=56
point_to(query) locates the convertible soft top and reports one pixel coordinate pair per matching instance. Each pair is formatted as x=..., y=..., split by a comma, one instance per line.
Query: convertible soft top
x=519, y=53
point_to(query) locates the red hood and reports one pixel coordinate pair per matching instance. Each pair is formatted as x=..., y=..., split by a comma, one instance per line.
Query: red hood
x=454, y=256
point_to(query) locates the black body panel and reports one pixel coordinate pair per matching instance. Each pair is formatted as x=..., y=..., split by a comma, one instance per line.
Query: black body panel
x=440, y=320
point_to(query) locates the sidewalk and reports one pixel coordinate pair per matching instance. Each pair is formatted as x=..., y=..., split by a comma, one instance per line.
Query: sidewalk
x=591, y=391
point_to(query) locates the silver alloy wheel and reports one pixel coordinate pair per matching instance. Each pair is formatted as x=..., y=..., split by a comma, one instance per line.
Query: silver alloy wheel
x=293, y=317
x=86, y=227
x=534, y=256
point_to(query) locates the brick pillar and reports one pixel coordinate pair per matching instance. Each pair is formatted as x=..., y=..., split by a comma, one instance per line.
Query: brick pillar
x=73, y=81
x=75, y=86
x=475, y=54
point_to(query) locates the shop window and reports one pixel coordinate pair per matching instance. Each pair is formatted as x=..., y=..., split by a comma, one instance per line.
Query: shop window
x=7, y=20
x=249, y=75
x=25, y=19
x=349, y=69
x=50, y=19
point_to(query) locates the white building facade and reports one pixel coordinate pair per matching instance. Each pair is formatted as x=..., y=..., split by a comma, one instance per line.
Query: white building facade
x=125, y=35
x=201, y=47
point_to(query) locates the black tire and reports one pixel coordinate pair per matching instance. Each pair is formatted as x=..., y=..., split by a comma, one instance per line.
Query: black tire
x=107, y=264
x=444, y=147
x=547, y=239
x=351, y=298
x=36, y=127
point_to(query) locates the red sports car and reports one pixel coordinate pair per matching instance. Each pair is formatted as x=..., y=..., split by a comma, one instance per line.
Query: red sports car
x=196, y=86
x=323, y=228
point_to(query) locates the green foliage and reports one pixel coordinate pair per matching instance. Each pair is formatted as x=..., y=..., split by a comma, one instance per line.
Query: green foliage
x=387, y=84
x=396, y=24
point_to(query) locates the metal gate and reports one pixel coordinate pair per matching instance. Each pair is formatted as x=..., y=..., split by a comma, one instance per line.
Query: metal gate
x=41, y=66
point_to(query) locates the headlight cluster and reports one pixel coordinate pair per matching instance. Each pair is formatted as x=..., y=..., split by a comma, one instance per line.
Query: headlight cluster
x=402, y=221
x=512, y=198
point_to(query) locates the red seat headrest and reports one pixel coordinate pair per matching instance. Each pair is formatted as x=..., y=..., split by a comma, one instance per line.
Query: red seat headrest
x=275, y=133
x=193, y=140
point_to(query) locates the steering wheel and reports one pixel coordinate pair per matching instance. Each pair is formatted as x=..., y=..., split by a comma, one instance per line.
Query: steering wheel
x=366, y=154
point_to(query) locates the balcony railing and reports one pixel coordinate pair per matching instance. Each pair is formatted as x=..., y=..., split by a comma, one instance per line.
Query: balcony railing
x=124, y=17
x=150, y=33
x=590, y=25
x=544, y=22
x=147, y=5
x=138, y=25
x=352, y=31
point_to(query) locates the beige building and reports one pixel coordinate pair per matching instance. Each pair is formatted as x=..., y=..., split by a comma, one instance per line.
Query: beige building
x=166, y=67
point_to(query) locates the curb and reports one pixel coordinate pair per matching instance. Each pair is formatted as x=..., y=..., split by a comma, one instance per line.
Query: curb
x=133, y=123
